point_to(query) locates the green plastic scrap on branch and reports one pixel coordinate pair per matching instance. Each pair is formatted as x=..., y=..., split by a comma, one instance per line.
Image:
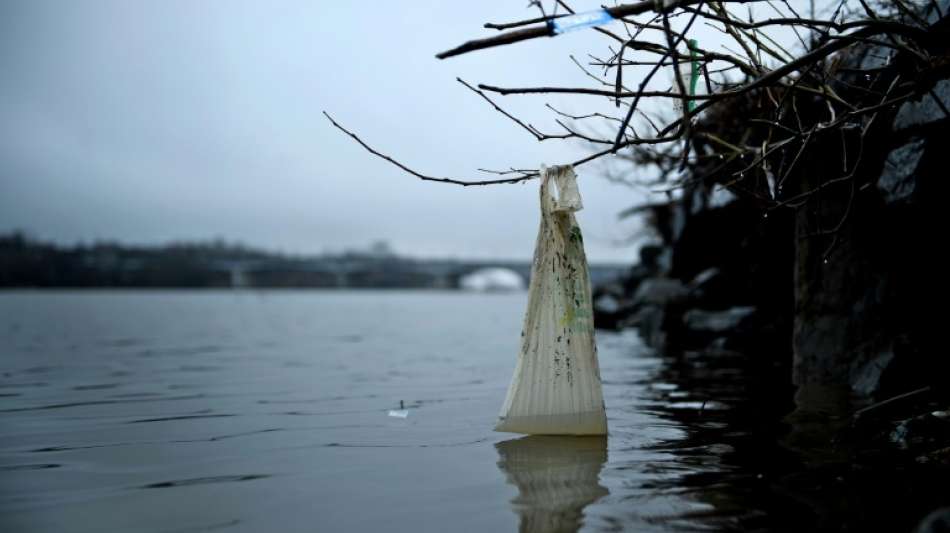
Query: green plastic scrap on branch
x=693, y=74
x=689, y=73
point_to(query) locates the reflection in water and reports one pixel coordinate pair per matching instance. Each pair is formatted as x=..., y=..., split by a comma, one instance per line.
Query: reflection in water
x=556, y=477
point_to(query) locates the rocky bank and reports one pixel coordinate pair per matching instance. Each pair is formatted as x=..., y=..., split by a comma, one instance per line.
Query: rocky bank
x=832, y=283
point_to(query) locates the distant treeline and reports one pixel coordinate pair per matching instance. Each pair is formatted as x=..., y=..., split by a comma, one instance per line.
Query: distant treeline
x=26, y=262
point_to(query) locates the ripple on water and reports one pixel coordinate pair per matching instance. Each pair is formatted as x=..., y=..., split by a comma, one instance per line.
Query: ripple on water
x=35, y=466
x=179, y=417
x=204, y=481
x=98, y=386
x=180, y=351
x=23, y=385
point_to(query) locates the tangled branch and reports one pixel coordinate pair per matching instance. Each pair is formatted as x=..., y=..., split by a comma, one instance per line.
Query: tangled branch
x=791, y=99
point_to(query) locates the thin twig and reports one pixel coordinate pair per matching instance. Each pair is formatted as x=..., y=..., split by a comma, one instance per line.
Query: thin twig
x=464, y=183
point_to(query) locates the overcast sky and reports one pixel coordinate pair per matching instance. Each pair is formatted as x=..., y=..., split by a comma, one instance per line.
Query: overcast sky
x=182, y=120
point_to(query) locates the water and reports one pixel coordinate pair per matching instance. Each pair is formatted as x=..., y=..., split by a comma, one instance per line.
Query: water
x=268, y=411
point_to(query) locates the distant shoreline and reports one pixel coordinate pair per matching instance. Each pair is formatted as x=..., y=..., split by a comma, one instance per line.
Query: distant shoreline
x=29, y=264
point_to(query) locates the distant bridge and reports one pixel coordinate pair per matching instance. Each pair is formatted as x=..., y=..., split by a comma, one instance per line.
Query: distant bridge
x=371, y=272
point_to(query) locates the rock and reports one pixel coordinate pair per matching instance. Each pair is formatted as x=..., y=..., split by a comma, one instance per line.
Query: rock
x=866, y=376
x=713, y=289
x=726, y=321
x=936, y=522
x=635, y=277
x=935, y=11
x=660, y=292
x=897, y=181
x=650, y=256
x=608, y=311
x=874, y=57
x=921, y=432
x=665, y=260
x=650, y=321
x=939, y=457
x=926, y=110
x=655, y=259
x=611, y=305
x=721, y=197
x=606, y=303
x=704, y=277
x=857, y=315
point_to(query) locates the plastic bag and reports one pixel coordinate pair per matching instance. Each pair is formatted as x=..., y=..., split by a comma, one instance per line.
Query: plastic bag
x=577, y=21
x=556, y=387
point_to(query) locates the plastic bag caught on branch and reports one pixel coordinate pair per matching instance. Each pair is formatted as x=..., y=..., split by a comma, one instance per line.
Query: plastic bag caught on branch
x=556, y=386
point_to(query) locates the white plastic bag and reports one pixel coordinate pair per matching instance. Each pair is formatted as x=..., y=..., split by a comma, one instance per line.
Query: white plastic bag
x=556, y=386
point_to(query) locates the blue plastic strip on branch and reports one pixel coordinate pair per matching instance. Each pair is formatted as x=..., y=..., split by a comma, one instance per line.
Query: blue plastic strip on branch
x=581, y=20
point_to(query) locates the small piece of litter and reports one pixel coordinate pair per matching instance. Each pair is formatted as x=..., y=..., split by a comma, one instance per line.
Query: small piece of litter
x=597, y=17
x=399, y=413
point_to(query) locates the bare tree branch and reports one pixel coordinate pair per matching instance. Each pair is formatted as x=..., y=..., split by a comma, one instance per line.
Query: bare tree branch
x=617, y=12
x=788, y=99
x=464, y=183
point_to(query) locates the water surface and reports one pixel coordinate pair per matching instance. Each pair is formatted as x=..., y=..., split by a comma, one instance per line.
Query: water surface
x=268, y=411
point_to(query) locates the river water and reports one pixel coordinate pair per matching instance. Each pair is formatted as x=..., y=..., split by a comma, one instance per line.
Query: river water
x=186, y=411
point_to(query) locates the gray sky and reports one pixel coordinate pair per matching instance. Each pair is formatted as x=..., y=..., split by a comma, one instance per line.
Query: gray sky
x=155, y=121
